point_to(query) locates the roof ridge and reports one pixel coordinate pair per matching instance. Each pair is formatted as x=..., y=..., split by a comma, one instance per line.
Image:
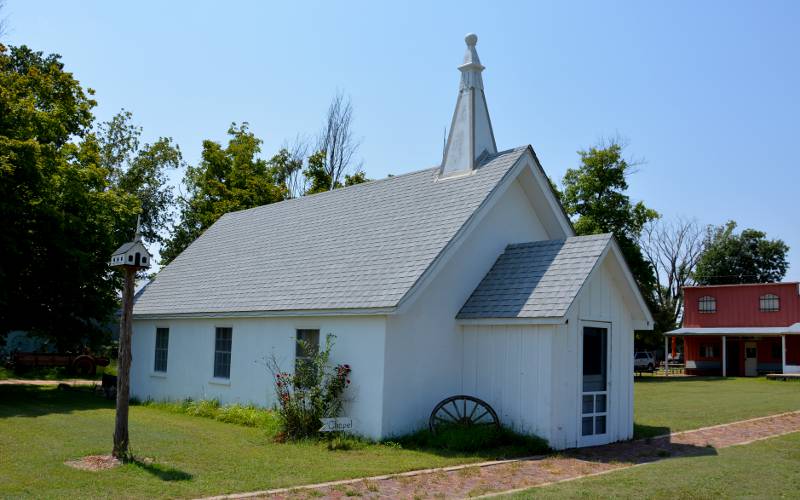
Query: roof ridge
x=372, y=182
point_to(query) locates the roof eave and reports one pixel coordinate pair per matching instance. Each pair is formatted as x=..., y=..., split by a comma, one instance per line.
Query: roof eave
x=374, y=311
x=549, y=320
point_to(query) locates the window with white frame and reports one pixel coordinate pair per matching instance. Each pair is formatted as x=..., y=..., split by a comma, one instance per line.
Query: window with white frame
x=307, y=345
x=222, y=352
x=707, y=304
x=708, y=351
x=769, y=303
x=162, y=350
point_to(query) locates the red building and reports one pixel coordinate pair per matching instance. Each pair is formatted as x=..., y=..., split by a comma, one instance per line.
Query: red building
x=741, y=330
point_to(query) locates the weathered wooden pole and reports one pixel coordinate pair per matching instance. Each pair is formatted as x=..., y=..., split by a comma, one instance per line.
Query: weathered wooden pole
x=131, y=257
x=124, y=366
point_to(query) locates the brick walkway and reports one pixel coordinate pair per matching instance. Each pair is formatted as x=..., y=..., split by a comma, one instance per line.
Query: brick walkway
x=494, y=477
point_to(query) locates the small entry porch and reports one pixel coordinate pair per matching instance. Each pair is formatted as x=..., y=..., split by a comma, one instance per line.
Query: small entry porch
x=738, y=352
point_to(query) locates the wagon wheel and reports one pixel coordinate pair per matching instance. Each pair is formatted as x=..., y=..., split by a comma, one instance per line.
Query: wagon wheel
x=84, y=366
x=463, y=411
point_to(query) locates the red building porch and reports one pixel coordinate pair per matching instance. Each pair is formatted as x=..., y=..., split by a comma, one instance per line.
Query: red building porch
x=741, y=330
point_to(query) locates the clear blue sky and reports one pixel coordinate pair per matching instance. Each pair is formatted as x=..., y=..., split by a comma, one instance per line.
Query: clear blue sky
x=707, y=93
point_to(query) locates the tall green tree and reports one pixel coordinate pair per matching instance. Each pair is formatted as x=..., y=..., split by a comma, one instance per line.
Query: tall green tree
x=594, y=196
x=226, y=179
x=140, y=170
x=61, y=215
x=747, y=257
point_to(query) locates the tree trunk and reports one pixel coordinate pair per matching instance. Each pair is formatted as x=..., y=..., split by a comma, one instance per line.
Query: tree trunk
x=124, y=367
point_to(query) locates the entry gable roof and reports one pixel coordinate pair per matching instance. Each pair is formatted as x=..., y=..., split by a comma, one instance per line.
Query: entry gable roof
x=355, y=248
x=536, y=280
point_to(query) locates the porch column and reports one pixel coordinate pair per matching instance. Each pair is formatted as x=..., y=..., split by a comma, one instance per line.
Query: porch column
x=724, y=356
x=783, y=353
x=666, y=350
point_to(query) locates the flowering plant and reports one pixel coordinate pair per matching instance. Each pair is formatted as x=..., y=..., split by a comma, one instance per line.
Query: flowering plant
x=315, y=390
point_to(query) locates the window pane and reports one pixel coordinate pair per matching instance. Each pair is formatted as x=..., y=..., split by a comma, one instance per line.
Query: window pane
x=595, y=366
x=707, y=304
x=310, y=338
x=587, y=424
x=222, y=352
x=769, y=303
x=588, y=404
x=162, y=346
x=599, y=425
x=600, y=403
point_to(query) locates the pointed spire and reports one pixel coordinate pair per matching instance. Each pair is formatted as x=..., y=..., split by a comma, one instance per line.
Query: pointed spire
x=471, y=130
x=138, y=236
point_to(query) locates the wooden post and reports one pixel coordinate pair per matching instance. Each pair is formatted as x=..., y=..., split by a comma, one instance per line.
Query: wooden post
x=124, y=367
x=666, y=350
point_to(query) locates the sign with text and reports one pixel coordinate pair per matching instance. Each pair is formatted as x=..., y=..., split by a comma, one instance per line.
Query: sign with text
x=338, y=424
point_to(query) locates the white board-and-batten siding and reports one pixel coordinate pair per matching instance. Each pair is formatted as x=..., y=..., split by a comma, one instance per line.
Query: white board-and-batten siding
x=190, y=364
x=509, y=367
x=532, y=374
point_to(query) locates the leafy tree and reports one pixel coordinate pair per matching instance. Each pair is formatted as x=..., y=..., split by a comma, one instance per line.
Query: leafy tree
x=140, y=171
x=61, y=215
x=594, y=197
x=227, y=179
x=747, y=257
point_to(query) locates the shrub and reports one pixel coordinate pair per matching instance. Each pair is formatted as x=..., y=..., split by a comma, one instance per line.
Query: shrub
x=314, y=391
x=245, y=415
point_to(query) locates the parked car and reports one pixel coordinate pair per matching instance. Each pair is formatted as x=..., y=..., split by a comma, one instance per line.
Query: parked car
x=644, y=361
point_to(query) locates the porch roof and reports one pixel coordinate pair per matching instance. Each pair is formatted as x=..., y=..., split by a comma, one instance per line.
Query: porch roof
x=747, y=330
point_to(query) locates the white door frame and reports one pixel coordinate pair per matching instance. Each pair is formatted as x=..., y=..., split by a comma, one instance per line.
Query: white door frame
x=754, y=371
x=594, y=439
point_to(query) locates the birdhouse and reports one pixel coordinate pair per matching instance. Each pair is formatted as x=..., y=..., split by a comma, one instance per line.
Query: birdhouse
x=132, y=253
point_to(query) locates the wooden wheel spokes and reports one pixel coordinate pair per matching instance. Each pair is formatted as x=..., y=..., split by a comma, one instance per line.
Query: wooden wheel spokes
x=463, y=411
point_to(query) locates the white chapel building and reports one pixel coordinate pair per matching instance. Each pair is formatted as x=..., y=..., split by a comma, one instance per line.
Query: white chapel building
x=465, y=278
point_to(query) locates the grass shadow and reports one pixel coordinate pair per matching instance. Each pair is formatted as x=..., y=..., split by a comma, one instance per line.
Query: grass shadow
x=162, y=472
x=677, y=379
x=649, y=431
x=639, y=451
x=35, y=401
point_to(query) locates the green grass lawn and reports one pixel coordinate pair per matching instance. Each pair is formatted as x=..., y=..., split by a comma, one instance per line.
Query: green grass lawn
x=664, y=404
x=40, y=428
x=764, y=469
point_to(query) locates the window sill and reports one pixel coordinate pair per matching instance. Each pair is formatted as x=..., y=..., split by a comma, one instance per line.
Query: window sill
x=158, y=374
x=220, y=381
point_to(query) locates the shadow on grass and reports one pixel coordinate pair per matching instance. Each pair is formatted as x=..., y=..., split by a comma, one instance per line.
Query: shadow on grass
x=639, y=451
x=35, y=401
x=649, y=431
x=163, y=472
x=649, y=379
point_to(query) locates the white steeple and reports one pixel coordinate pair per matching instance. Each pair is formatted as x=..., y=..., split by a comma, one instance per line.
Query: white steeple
x=471, y=130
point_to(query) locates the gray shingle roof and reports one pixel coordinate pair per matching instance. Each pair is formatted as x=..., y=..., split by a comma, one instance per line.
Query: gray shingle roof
x=535, y=280
x=358, y=247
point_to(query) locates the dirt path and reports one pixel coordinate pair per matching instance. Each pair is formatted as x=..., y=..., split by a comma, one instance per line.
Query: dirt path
x=492, y=478
x=71, y=381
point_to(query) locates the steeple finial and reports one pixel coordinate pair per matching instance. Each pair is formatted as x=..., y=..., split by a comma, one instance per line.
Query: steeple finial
x=138, y=236
x=471, y=130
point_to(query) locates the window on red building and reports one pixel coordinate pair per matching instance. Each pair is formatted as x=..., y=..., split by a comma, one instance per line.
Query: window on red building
x=707, y=304
x=776, y=350
x=770, y=303
x=707, y=351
